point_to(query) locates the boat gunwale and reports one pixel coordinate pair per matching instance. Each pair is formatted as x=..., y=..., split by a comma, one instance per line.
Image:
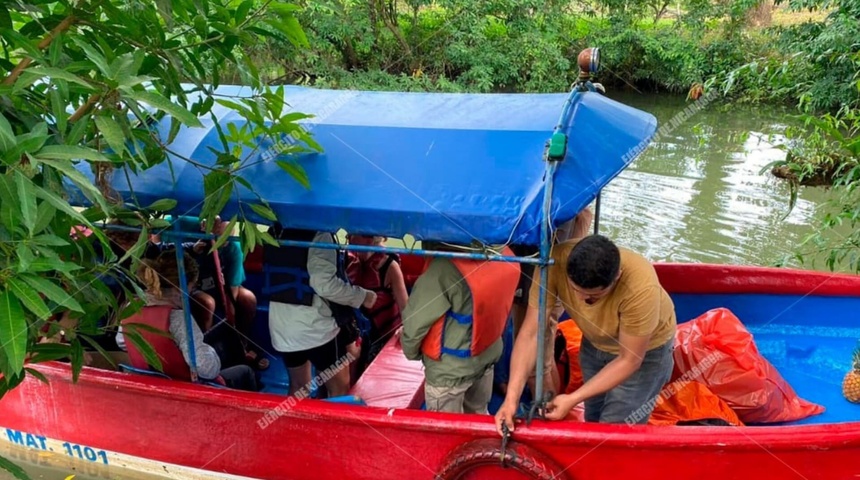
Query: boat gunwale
x=824, y=436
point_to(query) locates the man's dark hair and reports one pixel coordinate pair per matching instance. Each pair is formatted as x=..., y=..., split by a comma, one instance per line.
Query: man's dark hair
x=593, y=262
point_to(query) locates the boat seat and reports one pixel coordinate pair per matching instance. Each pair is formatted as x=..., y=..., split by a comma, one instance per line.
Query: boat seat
x=391, y=380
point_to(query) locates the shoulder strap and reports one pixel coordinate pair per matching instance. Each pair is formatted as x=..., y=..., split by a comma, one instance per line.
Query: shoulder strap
x=383, y=270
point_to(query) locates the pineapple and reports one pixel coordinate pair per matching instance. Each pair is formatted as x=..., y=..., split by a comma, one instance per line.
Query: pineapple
x=851, y=383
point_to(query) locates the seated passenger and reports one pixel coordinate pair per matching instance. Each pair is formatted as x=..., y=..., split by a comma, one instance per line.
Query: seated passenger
x=225, y=292
x=161, y=279
x=306, y=288
x=379, y=272
x=454, y=321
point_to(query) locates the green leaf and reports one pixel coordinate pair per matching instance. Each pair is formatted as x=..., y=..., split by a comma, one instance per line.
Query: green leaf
x=93, y=55
x=70, y=152
x=7, y=135
x=13, y=332
x=78, y=130
x=149, y=354
x=39, y=376
x=27, y=200
x=217, y=188
x=158, y=101
x=46, y=352
x=10, y=210
x=86, y=186
x=5, y=18
x=162, y=205
x=10, y=467
x=29, y=297
x=264, y=211
x=55, y=73
x=62, y=205
x=99, y=348
x=77, y=359
x=227, y=232
x=50, y=240
x=242, y=11
x=47, y=264
x=25, y=256
x=112, y=133
x=296, y=171
x=53, y=292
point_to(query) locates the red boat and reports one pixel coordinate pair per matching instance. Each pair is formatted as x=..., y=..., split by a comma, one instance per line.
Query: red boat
x=108, y=416
x=494, y=169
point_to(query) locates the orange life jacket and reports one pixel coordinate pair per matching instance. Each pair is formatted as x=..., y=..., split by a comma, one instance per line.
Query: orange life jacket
x=569, y=368
x=492, y=285
x=172, y=362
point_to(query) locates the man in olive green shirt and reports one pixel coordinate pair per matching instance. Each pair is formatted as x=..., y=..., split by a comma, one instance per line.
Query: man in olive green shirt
x=452, y=384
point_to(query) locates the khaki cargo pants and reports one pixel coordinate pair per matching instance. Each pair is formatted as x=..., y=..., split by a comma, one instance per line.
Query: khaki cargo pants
x=469, y=397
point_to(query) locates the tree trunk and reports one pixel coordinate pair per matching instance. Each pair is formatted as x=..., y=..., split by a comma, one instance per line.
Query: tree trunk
x=391, y=24
x=761, y=15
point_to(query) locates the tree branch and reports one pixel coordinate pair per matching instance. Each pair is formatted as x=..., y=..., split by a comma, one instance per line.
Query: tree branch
x=83, y=109
x=60, y=28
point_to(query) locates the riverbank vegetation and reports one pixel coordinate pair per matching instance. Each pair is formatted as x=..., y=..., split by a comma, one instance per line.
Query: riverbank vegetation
x=800, y=53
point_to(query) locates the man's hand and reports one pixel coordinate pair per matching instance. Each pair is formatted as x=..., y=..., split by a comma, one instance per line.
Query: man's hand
x=200, y=247
x=369, y=299
x=505, y=415
x=560, y=406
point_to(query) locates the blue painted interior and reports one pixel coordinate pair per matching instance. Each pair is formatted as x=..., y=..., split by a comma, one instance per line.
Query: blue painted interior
x=809, y=339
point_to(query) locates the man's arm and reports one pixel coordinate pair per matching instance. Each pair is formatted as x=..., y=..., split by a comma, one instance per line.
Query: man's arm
x=322, y=267
x=428, y=302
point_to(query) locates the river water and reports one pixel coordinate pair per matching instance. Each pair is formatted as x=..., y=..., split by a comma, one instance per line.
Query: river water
x=697, y=195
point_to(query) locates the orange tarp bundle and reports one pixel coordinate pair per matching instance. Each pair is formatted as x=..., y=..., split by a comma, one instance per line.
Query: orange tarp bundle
x=679, y=401
x=690, y=401
x=718, y=351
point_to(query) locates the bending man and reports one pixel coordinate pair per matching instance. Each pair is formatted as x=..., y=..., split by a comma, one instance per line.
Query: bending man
x=628, y=326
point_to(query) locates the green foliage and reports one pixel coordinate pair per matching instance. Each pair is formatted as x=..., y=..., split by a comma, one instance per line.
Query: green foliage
x=81, y=82
x=825, y=151
x=506, y=46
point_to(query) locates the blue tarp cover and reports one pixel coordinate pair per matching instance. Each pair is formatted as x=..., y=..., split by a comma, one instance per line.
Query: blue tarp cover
x=450, y=167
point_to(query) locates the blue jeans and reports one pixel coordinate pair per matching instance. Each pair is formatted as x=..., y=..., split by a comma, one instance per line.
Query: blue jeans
x=633, y=401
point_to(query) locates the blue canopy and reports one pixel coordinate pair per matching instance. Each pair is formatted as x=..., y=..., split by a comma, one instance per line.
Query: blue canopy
x=449, y=167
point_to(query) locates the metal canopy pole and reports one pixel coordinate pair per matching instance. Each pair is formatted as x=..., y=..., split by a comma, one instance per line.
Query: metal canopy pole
x=597, y=214
x=186, y=307
x=552, y=160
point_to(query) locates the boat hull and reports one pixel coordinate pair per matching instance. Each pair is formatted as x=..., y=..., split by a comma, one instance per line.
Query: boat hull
x=219, y=430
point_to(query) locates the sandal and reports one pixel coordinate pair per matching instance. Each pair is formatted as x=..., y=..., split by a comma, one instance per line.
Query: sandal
x=258, y=363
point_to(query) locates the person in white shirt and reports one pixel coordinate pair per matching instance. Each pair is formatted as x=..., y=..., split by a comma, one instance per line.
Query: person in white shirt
x=303, y=282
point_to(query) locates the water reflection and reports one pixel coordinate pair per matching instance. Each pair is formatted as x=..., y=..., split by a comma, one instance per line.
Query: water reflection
x=697, y=195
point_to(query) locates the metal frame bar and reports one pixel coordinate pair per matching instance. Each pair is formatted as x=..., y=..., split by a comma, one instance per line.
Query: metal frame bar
x=543, y=261
x=186, y=307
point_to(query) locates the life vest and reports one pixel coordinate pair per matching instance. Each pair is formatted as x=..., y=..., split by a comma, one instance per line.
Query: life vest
x=570, y=337
x=491, y=285
x=172, y=361
x=285, y=269
x=370, y=274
